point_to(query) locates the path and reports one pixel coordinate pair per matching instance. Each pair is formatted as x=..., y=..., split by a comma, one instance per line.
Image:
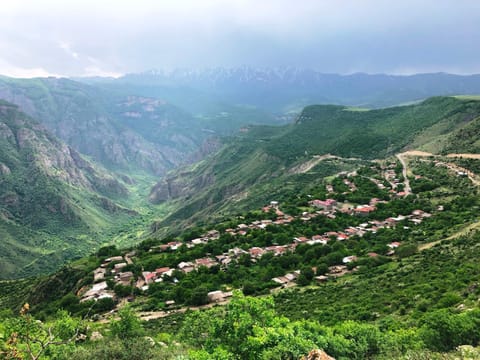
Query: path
x=456, y=235
x=407, y=189
x=310, y=164
x=471, y=175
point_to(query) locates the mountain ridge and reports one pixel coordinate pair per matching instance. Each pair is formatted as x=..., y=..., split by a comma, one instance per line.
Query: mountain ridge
x=49, y=195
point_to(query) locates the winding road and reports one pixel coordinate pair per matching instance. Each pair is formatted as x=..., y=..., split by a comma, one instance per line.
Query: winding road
x=407, y=189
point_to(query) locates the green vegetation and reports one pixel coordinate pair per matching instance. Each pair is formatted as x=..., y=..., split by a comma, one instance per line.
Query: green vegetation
x=346, y=259
x=260, y=163
x=55, y=205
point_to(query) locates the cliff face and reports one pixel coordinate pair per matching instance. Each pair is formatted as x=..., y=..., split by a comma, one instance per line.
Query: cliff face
x=118, y=131
x=47, y=191
x=27, y=144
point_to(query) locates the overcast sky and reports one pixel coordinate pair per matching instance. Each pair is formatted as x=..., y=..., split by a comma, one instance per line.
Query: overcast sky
x=107, y=37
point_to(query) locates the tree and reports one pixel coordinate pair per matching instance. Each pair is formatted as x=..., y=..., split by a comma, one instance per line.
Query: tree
x=247, y=328
x=306, y=276
x=128, y=326
x=32, y=339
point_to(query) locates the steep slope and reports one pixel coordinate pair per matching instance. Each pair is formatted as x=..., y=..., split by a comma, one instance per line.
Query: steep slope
x=258, y=163
x=50, y=197
x=121, y=132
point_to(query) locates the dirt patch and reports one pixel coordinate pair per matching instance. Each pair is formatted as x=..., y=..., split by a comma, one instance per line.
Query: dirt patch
x=466, y=156
x=310, y=164
x=416, y=153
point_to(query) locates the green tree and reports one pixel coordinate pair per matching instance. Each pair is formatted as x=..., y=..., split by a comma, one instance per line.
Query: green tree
x=128, y=326
x=31, y=339
x=306, y=276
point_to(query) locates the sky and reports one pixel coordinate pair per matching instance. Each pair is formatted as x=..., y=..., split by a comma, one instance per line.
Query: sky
x=111, y=38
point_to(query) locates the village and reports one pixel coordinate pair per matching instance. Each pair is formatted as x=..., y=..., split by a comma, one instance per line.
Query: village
x=112, y=267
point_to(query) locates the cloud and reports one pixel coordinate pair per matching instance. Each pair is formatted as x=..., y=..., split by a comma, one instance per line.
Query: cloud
x=65, y=46
x=330, y=35
x=19, y=72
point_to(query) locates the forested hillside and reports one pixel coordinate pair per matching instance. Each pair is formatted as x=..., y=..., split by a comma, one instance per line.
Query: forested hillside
x=262, y=160
x=50, y=198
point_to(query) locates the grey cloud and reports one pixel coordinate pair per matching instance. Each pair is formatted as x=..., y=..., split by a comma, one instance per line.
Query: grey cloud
x=112, y=37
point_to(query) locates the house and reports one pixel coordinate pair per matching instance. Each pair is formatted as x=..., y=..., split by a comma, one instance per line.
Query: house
x=213, y=234
x=119, y=266
x=237, y=252
x=256, y=252
x=207, y=262
x=99, y=274
x=328, y=204
x=364, y=210
x=140, y=283
x=300, y=239
x=218, y=295
x=162, y=271
x=349, y=259
x=149, y=276
x=113, y=259
x=174, y=245
x=421, y=213
x=276, y=249
x=125, y=278
x=198, y=241
x=372, y=254
x=331, y=234
x=390, y=222
x=98, y=291
x=281, y=280
x=291, y=276
x=186, y=267
x=321, y=278
x=394, y=245
x=337, y=270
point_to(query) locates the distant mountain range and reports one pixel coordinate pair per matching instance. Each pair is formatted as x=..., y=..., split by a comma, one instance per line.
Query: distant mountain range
x=285, y=89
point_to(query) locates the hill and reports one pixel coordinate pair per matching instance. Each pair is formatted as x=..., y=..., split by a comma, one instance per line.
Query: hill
x=373, y=272
x=53, y=202
x=120, y=131
x=257, y=164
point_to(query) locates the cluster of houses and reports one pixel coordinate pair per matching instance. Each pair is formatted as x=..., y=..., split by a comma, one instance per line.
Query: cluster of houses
x=113, y=265
x=392, y=177
x=329, y=207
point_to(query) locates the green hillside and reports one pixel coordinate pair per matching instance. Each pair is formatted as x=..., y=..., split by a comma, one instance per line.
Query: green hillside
x=54, y=204
x=259, y=163
x=121, y=127
x=408, y=289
